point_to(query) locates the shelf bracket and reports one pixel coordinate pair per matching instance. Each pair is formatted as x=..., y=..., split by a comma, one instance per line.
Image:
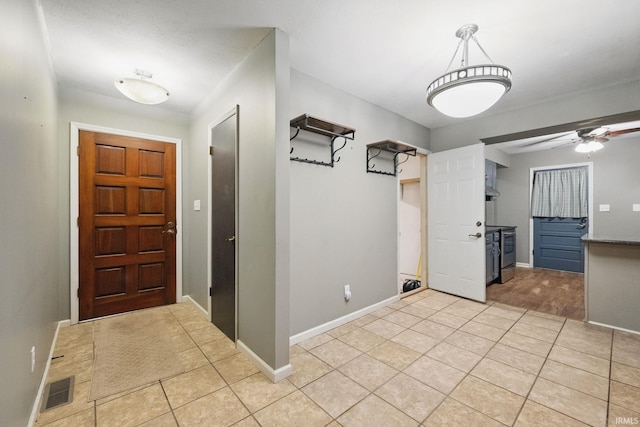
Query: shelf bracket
x=375, y=149
x=321, y=127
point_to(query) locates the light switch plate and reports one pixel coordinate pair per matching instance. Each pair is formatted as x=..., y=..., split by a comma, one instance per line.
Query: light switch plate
x=604, y=208
x=636, y=207
x=196, y=205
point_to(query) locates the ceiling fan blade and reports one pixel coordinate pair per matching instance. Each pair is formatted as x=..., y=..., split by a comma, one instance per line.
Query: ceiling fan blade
x=548, y=139
x=622, y=131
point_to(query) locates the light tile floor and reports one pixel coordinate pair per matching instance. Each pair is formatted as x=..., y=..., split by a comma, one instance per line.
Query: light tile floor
x=430, y=359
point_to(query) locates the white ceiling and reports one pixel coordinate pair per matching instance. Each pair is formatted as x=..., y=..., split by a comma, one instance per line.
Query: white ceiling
x=386, y=52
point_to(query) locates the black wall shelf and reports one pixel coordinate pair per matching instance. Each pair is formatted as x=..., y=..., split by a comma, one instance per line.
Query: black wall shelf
x=395, y=147
x=321, y=127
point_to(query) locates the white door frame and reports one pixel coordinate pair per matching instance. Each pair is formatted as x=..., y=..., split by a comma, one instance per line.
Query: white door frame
x=74, y=198
x=532, y=172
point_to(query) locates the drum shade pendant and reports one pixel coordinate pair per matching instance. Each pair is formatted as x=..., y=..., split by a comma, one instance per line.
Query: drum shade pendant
x=468, y=90
x=141, y=89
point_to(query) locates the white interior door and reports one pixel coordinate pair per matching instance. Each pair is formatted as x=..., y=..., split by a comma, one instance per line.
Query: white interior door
x=456, y=243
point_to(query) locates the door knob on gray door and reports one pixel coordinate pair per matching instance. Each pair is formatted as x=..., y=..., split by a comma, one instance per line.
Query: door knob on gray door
x=230, y=239
x=477, y=235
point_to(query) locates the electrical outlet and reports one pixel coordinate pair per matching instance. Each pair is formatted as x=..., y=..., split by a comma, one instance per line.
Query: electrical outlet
x=635, y=207
x=33, y=359
x=605, y=208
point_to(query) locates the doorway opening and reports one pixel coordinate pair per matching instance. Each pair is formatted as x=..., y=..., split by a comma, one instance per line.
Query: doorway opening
x=550, y=288
x=556, y=231
x=412, y=225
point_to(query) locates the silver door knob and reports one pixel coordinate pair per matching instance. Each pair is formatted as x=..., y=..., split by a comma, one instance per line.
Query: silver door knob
x=230, y=239
x=477, y=235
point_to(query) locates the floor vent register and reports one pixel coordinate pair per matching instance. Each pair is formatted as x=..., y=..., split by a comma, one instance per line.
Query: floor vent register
x=58, y=393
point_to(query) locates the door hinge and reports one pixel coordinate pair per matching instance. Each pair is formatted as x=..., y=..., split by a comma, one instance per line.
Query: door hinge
x=78, y=292
x=78, y=151
x=210, y=292
x=211, y=150
x=78, y=221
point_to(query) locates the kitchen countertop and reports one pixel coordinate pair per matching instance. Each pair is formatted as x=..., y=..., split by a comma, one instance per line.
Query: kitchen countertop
x=492, y=228
x=633, y=240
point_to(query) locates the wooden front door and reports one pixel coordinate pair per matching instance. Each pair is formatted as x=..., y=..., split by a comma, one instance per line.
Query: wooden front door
x=127, y=224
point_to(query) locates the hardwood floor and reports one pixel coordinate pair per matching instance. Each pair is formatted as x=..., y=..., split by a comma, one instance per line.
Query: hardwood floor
x=547, y=291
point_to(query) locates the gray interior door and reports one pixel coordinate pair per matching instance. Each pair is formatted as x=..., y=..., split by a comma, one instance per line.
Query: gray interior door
x=223, y=224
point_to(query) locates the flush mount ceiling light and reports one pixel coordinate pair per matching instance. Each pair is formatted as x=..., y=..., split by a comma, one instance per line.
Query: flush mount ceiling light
x=141, y=89
x=468, y=90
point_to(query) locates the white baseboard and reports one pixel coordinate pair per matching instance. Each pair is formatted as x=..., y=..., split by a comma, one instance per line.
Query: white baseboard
x=188, y=299
x=274, y=375
x=614, y=327
x=43, y=382
x=523, y=265
x=320, y=329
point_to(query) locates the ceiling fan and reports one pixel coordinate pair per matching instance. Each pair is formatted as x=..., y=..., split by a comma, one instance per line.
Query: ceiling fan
x=577, y=133
x=589, y=139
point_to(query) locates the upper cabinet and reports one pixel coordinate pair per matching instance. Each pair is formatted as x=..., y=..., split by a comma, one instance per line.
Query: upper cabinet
x=490, y=168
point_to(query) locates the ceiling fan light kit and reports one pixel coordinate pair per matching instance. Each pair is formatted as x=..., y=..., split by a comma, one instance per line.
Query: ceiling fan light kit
x=589, y=145
x=468, y=90
x=141, y=89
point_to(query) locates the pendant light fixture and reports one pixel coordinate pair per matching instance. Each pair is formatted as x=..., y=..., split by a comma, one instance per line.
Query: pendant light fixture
x=141, y=89
x=468, y=90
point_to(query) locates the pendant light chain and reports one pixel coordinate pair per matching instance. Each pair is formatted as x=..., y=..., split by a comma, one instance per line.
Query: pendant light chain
x=453, y=57
x=481, y=49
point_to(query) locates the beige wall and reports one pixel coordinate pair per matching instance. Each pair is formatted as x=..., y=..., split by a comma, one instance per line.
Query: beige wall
x=29, y=185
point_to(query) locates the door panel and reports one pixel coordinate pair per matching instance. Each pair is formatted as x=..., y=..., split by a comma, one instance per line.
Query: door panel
x=223, y=226
x=127, y=196
x=456, y=215
x=557, y=243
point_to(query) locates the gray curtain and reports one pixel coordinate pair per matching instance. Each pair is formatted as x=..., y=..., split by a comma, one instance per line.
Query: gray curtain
x=560, y=193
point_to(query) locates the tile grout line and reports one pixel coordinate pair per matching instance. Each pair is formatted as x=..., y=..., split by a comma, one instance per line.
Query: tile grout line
x=526, y=398
x=610, y=375
x=227, y=384
x=467, y=374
